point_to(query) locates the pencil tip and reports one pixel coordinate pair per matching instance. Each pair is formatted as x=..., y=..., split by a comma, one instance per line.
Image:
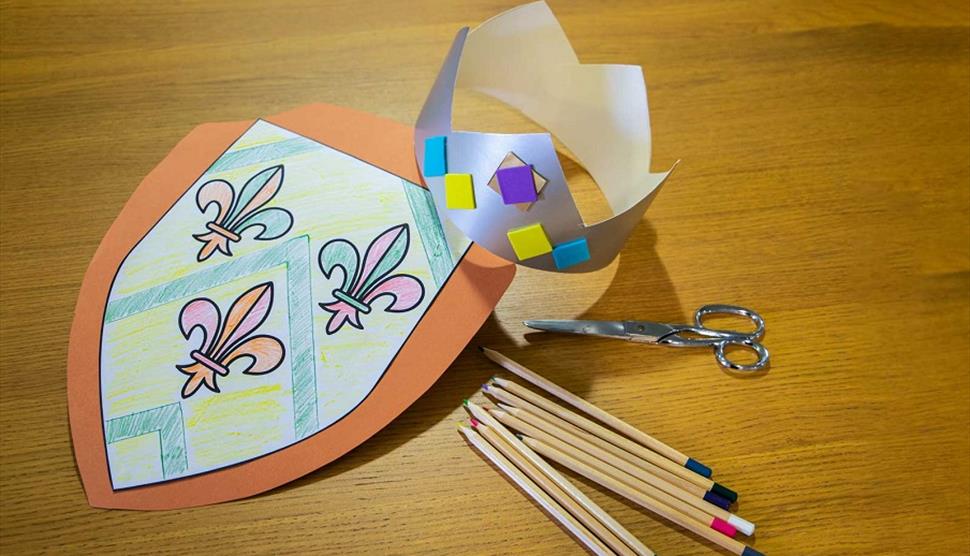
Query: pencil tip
x=474, y=422
x=725, y=492
x=481, y=349
x=698, y=467
x=464, y=402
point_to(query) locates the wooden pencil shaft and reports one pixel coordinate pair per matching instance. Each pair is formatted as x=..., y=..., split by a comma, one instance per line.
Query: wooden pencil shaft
x=532, y=490
x=622, y=460
x=557, y=494
x=619, y=475
x=586, y=407
x=668, y=470
x=631, y=540
x=657, y=507
x=607, y=463
x=505, y=396
x=592, y=427
x=697, y=508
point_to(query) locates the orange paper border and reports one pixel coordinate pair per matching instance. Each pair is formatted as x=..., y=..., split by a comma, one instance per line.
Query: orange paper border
x=472, y=292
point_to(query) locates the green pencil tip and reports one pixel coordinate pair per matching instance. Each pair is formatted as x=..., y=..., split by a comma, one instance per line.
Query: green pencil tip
x=464, y=402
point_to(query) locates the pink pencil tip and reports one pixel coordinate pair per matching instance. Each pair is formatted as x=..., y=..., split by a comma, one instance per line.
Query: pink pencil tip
x=474, y=422
x=724, y=527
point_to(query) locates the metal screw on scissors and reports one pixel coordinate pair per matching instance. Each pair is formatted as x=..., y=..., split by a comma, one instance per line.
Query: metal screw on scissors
x=677, y=335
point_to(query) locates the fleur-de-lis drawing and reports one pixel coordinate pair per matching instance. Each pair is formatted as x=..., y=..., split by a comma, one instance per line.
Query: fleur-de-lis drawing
x=225, y=342
x=236, y=215
x=363, y=284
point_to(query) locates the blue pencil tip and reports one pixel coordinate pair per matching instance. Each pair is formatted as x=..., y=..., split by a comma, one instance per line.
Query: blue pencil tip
x=717, y=500
x=698, y=467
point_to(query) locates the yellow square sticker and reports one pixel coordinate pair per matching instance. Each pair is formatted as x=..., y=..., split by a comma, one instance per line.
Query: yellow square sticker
x=529, y=241
x=459, y=193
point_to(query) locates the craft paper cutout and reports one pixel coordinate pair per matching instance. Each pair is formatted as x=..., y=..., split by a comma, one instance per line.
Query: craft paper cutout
x=459, y=191
x=570, y=253
x=516, y=184
x=523, y=58
x=512, y=161
x=529, y=241
x=325, y=297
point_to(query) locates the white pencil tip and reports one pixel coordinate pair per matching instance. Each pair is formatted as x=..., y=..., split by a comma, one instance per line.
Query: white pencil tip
x=743, y=525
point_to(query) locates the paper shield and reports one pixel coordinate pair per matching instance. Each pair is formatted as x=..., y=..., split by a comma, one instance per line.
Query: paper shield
x=273, y=294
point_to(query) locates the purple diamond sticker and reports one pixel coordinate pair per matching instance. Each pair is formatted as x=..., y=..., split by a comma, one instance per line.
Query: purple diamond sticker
x=517, y=185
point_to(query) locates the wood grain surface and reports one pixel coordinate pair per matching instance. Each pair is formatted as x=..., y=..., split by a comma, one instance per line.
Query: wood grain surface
x=825, y=182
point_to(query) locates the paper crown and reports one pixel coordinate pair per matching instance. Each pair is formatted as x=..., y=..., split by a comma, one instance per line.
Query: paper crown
x=507, y=192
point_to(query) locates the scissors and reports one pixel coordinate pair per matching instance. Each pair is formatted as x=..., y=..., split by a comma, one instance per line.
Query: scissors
x=676, y=335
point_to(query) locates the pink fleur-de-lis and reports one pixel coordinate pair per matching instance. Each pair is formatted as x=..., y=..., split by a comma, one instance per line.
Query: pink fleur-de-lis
x=363, y=284
x=226, y=342
x=235, y=215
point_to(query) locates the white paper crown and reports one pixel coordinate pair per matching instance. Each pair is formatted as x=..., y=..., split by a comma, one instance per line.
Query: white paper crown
x=481, y=181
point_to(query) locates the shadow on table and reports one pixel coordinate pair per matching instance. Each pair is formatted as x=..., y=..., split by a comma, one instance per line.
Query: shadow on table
x=640, y=289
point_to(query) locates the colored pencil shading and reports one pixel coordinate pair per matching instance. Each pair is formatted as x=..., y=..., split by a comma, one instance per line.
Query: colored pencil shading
x=560, y=481
x=714, y=517
x=597, y=413
x=656, y=506
x=619, y=445
x=557, y=494
x=581, y=533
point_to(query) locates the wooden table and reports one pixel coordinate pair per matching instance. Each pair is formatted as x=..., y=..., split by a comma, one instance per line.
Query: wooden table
x=824, y=181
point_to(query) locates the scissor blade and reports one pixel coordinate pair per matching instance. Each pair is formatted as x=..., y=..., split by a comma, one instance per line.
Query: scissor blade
x=608, y=328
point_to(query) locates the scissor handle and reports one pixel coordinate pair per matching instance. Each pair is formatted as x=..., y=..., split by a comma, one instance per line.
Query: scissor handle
x=750, y=345
x=718, y=309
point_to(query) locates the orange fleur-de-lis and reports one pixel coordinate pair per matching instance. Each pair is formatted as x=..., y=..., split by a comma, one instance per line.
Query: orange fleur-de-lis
x=226, y=342
x=237, y=214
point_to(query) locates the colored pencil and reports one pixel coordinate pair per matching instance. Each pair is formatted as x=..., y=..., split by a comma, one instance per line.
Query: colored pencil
x=701, y=510
x=502, y=389
x=580, y=532
x=557, y=494
x=597, y=413
x=632, y=541
x=623, y=471
x=652, y=504
x=619, y=444
x=689, y=489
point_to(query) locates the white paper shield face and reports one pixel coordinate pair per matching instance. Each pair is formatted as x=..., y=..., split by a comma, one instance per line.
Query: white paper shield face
x=507, y=192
